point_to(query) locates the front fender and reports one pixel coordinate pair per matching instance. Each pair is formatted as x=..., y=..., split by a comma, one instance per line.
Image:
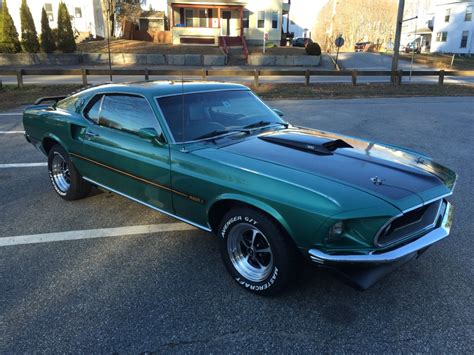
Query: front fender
x=255, y=203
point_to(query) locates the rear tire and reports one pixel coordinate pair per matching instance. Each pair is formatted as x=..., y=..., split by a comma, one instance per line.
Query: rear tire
x=256, y=251
x=64, y=177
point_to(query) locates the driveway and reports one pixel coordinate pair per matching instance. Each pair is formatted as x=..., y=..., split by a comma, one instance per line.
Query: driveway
x=156, y=286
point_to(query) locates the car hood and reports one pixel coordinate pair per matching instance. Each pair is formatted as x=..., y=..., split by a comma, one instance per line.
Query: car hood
x=400, y=177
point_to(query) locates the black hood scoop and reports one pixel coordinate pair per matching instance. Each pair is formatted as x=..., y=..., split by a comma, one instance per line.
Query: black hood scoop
x=306, y=143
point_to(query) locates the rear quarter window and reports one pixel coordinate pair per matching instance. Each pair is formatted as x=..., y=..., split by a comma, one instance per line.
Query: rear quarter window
x=71, y=104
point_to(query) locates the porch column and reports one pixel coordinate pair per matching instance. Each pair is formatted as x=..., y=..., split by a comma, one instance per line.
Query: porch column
x=242, y=22
x=172, y=17
x=218, y=17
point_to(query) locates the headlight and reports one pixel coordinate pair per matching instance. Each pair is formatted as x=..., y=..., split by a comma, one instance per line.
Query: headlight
x=336, y=230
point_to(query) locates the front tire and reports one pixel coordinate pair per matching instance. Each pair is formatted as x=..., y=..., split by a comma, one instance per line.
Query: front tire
x=64, y=177
x=256, y=251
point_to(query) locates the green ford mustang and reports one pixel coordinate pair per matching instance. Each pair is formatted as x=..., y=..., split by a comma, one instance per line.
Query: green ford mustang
x=215, y=156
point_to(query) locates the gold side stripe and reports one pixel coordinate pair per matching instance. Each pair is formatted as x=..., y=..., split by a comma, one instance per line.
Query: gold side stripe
x=163, y=187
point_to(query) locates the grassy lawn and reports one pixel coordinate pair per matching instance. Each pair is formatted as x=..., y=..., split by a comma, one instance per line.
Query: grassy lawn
x=347, y=91
x=143, y=47
x=12, y=97
x=442, y=61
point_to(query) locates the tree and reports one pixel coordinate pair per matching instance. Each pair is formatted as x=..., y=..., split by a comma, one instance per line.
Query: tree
x=356, y=20
x=48, y=43
x=66, y=42
x=29, y=37
x=9, y=42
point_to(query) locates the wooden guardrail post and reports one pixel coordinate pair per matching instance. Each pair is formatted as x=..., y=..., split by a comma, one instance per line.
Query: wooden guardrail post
x=306, y=77
x=19, y=77
x=354, y=77
x=84, y=76
x=255, y=77
x=441, y=77
x=399, y=77
x=204, y=74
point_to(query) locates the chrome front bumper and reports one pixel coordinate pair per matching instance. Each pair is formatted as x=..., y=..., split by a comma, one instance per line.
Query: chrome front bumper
x=393, y=255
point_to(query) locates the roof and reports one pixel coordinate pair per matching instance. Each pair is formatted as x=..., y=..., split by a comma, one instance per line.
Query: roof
x=164, y=88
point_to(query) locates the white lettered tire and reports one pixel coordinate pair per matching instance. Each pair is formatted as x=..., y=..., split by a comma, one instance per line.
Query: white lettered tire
x=65, y=179
x=256, y=251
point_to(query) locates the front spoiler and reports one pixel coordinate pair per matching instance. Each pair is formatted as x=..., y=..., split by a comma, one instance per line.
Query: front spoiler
x=391, y=256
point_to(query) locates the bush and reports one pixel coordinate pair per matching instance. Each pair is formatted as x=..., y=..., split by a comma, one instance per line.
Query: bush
x=66, y=42
x=9, y=42
x=312, y=48
x=48, y=41
x=29, y=37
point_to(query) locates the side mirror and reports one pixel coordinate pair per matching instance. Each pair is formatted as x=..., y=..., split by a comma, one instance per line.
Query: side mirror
x=278, y=112
x=151, y=134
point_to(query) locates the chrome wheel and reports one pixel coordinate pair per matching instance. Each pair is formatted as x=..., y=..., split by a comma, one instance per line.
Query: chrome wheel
x=250, y=252
x=60, y=173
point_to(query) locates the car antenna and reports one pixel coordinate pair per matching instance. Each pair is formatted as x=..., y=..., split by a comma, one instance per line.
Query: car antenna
x=182, y=112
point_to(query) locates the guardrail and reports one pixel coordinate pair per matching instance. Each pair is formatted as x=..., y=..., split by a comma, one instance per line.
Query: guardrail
x=396, y=77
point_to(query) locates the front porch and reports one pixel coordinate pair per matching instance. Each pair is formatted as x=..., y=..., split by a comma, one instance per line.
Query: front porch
x=204, y=24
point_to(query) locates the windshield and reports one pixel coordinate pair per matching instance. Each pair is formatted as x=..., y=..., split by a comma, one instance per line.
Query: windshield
x=196, y=116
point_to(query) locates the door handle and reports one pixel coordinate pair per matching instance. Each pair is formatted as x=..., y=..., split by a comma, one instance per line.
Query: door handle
x=90, y=134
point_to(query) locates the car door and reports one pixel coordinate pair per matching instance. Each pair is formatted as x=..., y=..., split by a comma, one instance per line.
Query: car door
x=123, y=149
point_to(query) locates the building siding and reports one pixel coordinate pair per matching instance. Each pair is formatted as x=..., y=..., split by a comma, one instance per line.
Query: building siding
x=90, y=21
x=454, y=28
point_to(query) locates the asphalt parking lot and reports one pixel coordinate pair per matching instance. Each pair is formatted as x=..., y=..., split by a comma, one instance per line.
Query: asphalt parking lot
x=169, y=292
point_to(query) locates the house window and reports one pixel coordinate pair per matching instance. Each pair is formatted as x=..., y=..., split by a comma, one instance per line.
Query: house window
x=468, y=14
x=441, y=36
x=202, y=18
x=465, y=35
x=189, y=18
x=261, y=19
x=77, y=12
x=245, y=19
x=275, y=19
x=447, y=15
x=49, y=11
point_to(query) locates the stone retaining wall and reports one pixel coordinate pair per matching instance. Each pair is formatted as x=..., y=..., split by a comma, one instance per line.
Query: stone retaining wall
x=25, y=59
x=284, y=60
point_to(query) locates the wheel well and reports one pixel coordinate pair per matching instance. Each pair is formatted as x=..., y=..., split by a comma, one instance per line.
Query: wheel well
x=48, y=143
x=220, y=208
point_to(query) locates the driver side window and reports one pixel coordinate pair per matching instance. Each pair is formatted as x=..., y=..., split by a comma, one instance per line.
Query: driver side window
x=128, y=113
x=124, y=112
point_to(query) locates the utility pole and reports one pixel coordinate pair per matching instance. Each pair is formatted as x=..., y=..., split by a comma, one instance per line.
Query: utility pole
x=331, y=28
x=398, y=33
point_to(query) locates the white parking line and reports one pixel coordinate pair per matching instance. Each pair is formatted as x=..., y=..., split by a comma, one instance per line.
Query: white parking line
x=11, y=114
x=94, y=233
x=22, y=165
x=11, y=132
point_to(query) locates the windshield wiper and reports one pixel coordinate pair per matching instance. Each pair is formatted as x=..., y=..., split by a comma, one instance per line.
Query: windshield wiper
x=263, y=124
x=216, y=134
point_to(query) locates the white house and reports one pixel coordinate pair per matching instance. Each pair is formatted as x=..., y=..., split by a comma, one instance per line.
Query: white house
x=453, y=29
x=205, y=21
x=418, y=23
x=86, y=15
x=302, y=16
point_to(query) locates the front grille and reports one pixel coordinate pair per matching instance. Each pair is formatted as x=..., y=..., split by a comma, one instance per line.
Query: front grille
x=410, y=224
